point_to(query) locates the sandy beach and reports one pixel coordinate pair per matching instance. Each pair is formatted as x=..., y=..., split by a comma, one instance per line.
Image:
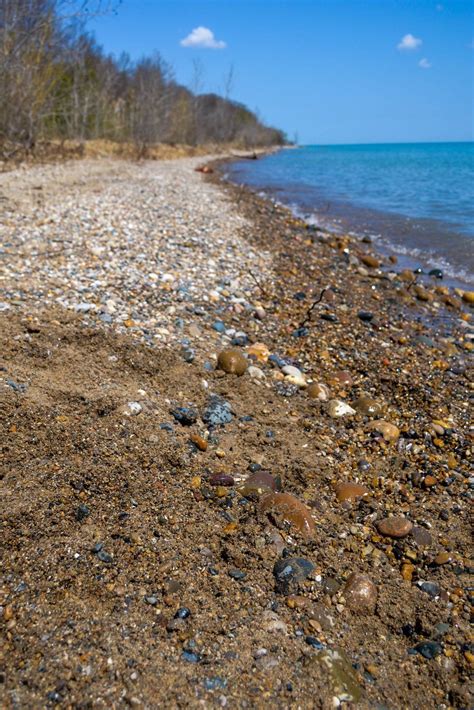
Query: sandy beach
x=138, y=567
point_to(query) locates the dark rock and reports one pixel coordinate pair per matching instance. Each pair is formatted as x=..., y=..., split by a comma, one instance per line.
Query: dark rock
x=82, y=512
x=166, y=426
x=289, y=572
x=186, y=416
x=329, y=317
x=182, y=613
x=188, y=354
x=299, y=296
x=437, y=273
x=237, y=574
x=314, y=643
x=428, y=649
x=431, y=588
x=190, y=656
x=300, y=332
x=365, y=316
x=104, y=556
x=17, y=386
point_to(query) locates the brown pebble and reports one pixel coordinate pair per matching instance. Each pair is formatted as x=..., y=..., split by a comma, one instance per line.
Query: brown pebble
x=350, y=491
x=360, y=593
x=259, y=482
x=232, y=361
x=343, y=378
x=222, y=479
x=199, y=441
x=421, y=536
x=370, y=261
x=317, y=390
x=397, y=526
x=429, y=481
x=285, y=508
x=367, y=407
x=442, y=558
x=389, y=431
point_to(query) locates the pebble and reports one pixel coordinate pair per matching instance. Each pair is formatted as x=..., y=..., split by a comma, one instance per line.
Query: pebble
x=190, y=656
x=429, y=649
x=259, y=482
x=218, y=412
x=343, y=378
x=232, y=361
x=442, y=558
x=365, y=316
x=285, y=509
x=186, y=416
x=272, y=622
x=367, y=407
x=350, y=491
x=218, y=326
x=396, y=527
x=338, y=408
x=259, y=352
x=82, y=512
x=222, y=479
x=430, y=588
x=360, y=593
x=199, y=442
x=389, y=431
x=318, y=390
x=341, y=675
x=421, y=536
x=294, y=376
x=256, y=373
x=289, y=572
x=369, y=261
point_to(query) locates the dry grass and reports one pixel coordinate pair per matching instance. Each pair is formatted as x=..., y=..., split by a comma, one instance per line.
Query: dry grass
x=56, y=151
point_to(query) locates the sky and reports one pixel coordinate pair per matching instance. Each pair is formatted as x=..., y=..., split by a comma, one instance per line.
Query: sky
x=325, y=71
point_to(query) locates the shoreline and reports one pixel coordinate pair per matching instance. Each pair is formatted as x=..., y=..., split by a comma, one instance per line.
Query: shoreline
x=136, y=571
x=379, y=226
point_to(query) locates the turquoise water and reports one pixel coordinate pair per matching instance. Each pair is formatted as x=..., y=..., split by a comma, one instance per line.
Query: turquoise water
x=415, y=199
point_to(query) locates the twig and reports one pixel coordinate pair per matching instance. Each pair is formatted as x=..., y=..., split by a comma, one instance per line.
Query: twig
x=312, y=307
x=258, y=283
x=412, y=283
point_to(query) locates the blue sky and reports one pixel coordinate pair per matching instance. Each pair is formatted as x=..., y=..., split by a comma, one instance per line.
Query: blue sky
x=332, y=71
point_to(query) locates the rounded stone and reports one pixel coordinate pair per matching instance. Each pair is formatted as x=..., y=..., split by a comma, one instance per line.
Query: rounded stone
x=360, y=593
x=232, y=362
x=338, y=408
x=318, y=390
x=350, y=491
x=390, y=432
x=289, y=572
x=370, y=261
x=396, y=527
x=367, y=407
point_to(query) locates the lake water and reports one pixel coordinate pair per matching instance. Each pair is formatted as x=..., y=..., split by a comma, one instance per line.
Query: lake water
x=416, y=199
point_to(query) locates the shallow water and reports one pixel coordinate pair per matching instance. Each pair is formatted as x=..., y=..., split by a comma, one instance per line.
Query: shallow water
x=416, y=199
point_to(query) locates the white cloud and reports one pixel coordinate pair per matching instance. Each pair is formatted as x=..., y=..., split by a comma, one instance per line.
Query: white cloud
x=424, y=63
x=202, y=37
x=409, y=42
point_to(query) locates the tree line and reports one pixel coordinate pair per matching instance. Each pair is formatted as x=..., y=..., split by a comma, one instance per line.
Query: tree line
x=56, y=83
